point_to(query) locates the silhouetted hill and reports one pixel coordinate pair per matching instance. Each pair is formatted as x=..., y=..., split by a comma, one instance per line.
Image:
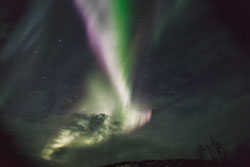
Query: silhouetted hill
x=175, y=163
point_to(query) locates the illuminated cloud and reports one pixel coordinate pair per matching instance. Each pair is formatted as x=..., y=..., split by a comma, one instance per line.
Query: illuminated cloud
x=82, y=130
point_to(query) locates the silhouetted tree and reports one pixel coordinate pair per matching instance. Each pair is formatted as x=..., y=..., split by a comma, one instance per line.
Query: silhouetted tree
x=241, y=154
x=214, y=150
x=200, y=152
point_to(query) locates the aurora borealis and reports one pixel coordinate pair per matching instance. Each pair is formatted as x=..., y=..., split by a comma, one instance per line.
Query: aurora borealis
x=109, y=40
x=107, y=26
x=94, y=82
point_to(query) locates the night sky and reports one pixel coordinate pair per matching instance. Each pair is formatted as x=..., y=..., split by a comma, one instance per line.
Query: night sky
x=89, y=83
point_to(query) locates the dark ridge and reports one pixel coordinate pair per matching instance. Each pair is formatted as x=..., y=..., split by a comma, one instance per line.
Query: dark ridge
x=175, y=163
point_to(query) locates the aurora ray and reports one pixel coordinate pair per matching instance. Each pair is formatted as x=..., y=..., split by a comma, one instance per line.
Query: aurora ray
x=107, y=25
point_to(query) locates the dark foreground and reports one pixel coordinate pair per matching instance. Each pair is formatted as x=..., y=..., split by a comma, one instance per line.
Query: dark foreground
x=176, y=163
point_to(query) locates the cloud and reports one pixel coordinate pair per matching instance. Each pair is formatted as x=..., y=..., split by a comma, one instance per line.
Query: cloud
x=116, y=149
x=81, y=130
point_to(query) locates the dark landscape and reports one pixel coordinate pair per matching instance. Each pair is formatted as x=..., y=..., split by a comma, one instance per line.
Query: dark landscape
x=124, y=83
